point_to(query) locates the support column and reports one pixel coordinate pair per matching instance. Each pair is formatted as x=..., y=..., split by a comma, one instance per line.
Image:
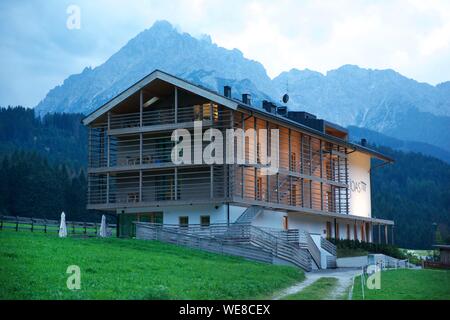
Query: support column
x=107, y=188
x=290, y=166
x=386, y=233
x=278, y=188
x=108, y=161
x=321, y=176
x=392, y=234
x=141, y=109
x=255, y=155
x=176, y=105
x=108, y=141
x=243, y=155
x=176, y=183
x=347, y=200
x=211, y=190
x=268, y=155
x=335, y=229
x=379, y=233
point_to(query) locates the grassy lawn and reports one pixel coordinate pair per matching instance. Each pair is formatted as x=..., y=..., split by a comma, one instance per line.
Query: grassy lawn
x=318, y=290
x=407, y=284
x=33, y=266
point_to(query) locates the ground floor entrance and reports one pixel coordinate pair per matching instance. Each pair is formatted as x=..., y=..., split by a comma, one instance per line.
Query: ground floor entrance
x=126, y=227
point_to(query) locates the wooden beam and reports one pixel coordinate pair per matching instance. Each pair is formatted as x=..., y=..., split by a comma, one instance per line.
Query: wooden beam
x=141, y=107
x=176, y=104
x=211, y=190
x=321, y=174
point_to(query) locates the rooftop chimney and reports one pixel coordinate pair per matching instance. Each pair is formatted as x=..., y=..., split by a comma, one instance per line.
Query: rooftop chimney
x=227, y=91
x=247, y=99
x=282, y=111
x=269, y=106
x=364, y=142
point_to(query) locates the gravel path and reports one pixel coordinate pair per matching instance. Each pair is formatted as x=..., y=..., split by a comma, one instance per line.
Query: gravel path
x=344, y=276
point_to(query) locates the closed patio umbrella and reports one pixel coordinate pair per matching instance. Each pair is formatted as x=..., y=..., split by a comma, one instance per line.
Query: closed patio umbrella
x=62, y=226
x=103, y=227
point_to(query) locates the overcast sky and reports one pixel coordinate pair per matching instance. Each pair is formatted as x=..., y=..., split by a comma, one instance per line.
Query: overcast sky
x=38, y=51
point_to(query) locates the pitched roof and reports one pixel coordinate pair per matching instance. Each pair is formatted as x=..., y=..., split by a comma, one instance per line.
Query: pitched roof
x=158, y=74
x=225, y=101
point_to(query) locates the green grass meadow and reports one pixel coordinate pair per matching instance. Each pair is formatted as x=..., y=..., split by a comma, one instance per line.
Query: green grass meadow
x=33, y=266
x=408, y=284
x=318, y=290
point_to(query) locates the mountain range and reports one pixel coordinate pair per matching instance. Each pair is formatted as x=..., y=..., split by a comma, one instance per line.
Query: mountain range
x=383, y=101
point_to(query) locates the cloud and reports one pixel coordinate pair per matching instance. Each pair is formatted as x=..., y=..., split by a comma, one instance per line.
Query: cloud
x=38, y=52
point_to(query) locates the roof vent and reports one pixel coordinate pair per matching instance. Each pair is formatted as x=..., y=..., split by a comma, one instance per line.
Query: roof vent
x=306, y=119
x=364, y=142
x=282, y=111
x=269, y=106
x=227, y=91
x=247, y=99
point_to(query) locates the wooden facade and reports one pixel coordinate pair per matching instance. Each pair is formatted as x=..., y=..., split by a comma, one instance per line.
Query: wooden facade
x=130, y=163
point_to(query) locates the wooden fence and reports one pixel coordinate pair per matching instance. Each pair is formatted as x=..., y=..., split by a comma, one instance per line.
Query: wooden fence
x=52, y=226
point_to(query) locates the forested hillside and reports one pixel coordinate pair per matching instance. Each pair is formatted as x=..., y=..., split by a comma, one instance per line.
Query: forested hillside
x=30, y=186
x=415, y=192
x=59, y=137
x=48, y=176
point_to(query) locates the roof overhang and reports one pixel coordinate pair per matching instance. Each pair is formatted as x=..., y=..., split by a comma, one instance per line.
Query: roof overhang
x=157, y=74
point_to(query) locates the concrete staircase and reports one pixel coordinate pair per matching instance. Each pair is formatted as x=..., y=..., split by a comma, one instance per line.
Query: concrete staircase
x=249, y=215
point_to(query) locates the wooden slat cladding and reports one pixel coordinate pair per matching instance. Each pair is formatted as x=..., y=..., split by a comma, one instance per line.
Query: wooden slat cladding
x=130, y=159
x=312, y=172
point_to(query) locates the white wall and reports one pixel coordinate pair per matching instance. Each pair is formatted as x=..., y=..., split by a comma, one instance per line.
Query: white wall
x=359, y=179
x=171, y=214
x=315, y=225
x=269, y=219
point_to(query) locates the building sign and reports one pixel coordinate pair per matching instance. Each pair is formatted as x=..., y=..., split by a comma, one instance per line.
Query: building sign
x=359, y=184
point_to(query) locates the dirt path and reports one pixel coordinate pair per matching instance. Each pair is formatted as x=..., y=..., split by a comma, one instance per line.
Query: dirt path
x=344, y=277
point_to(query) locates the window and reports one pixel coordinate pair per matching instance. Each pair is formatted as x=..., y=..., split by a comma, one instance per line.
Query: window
x=259, y=188
x=203, y=112
x=294, y=195
x=328, y=232
x=184, y=221
x=293, y=162
x=285, y=223
x=205, y=221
